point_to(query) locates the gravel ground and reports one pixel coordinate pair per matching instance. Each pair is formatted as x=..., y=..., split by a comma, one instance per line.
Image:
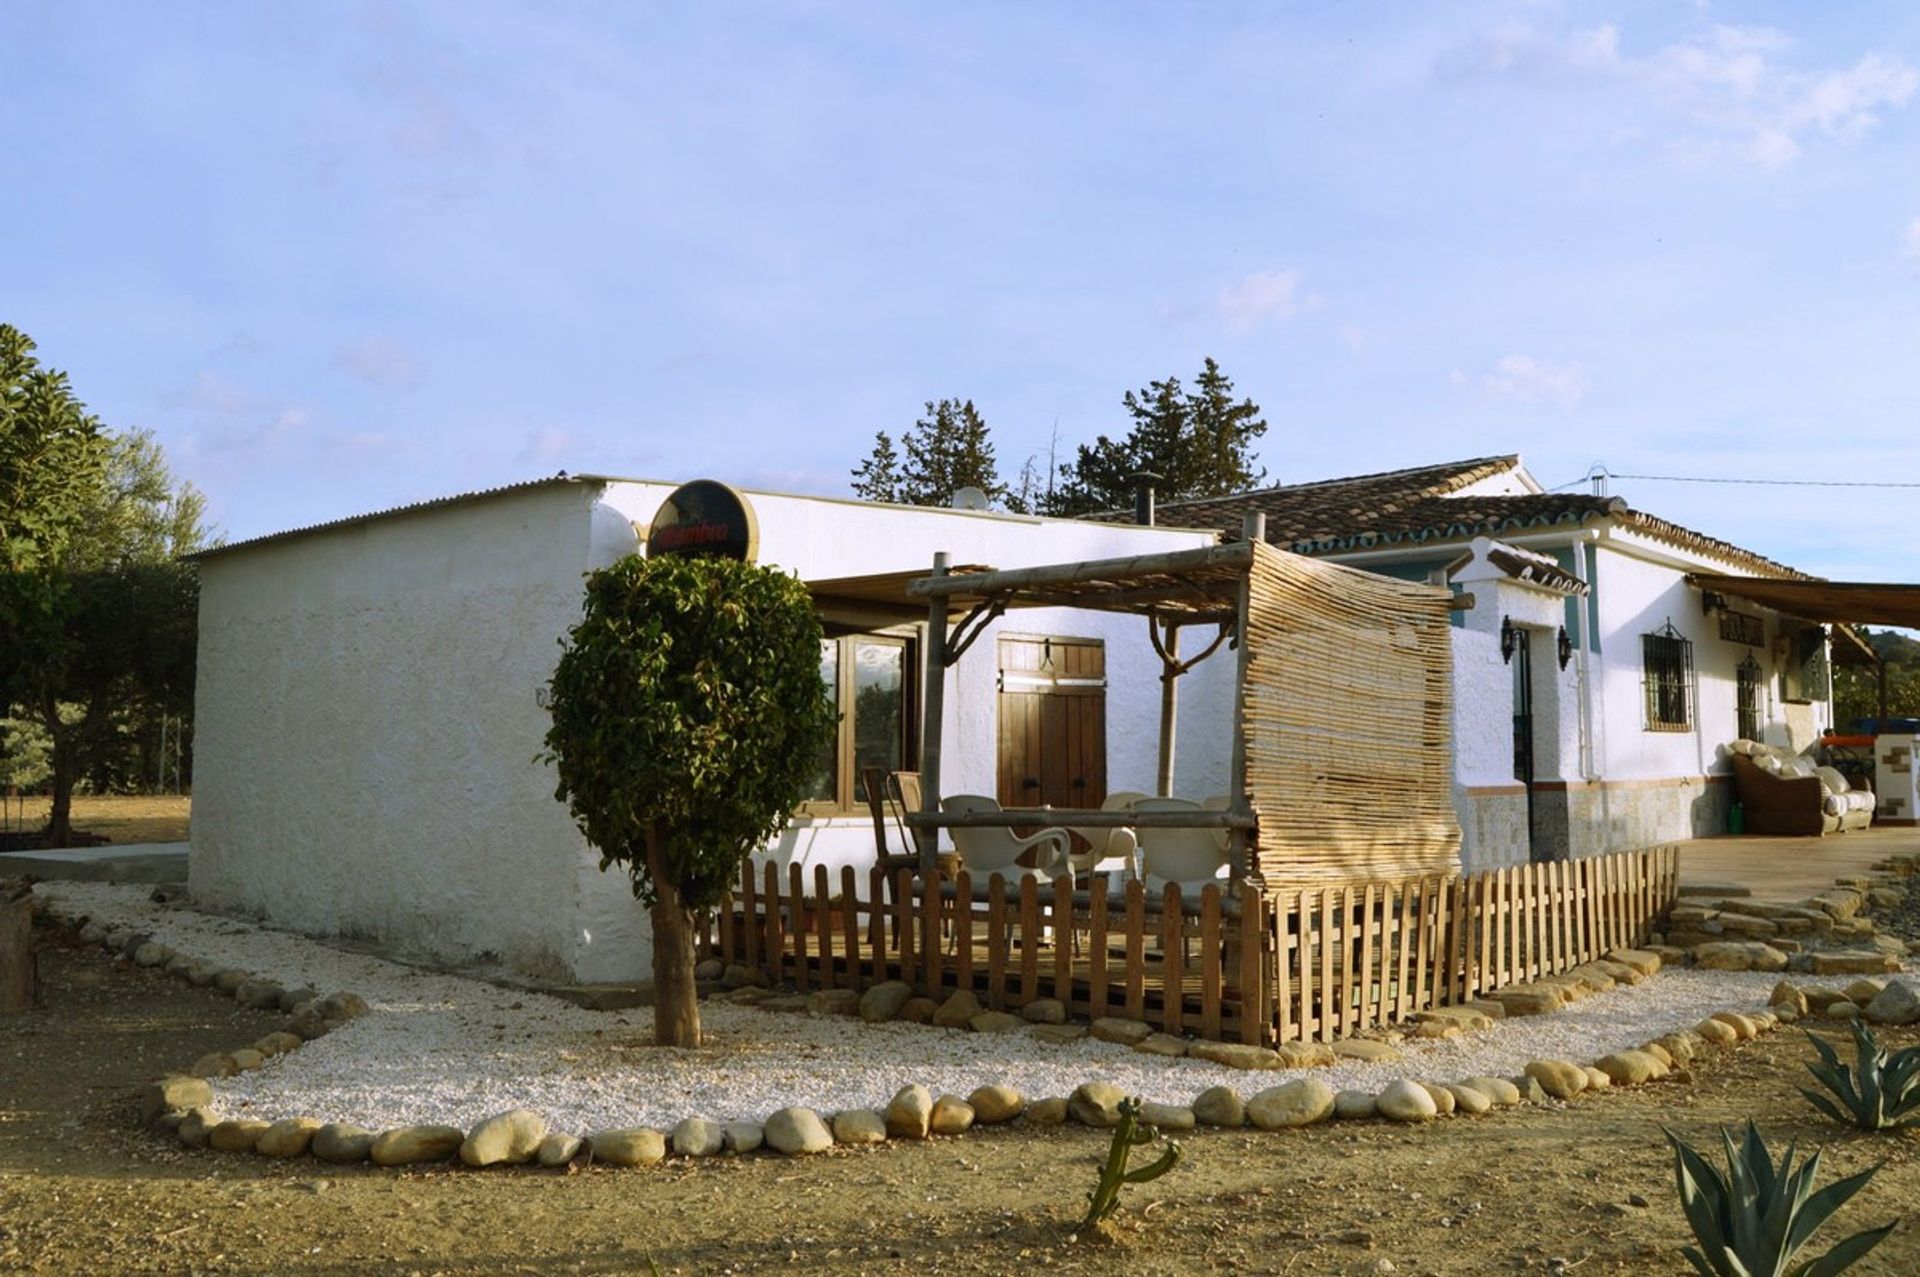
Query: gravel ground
x=439, y=1048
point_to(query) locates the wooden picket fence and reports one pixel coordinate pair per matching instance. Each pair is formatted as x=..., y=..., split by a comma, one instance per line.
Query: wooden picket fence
x=1317, y=963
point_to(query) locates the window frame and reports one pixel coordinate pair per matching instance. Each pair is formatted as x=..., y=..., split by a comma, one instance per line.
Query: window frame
x=846, y=799
x=1748, y=679
x=1667, y=680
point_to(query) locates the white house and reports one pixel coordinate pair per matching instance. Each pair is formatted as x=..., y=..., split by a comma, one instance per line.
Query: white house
x=369, y=714
x=1594, y=686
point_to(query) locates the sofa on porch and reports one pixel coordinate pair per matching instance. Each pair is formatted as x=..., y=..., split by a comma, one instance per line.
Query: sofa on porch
x=1787, y=793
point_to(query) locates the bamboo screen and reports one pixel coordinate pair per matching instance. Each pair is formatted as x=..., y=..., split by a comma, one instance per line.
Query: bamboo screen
x=1347, y=719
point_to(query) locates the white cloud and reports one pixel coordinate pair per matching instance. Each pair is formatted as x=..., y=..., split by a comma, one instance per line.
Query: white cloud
x=1270, y=294
x=549, y=444
x=380, y=362
x=1910, y=245
x=1733, y=88
x=1522, y=379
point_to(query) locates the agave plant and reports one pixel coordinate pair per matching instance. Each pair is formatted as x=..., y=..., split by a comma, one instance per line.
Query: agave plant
x=1114, y=1175
x=1880, y=1092
x=1755, y=1219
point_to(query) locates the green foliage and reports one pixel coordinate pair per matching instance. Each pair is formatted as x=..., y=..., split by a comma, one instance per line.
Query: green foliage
x=687, y=706
x=1200, y=443
x=878, y=477
x=52, y=456
x=98, y=614
x=1755, y=1219
x=1880, y=1092
x=947, y=450
x=1114, y=1175
x=26, y=753
x=1856, y=688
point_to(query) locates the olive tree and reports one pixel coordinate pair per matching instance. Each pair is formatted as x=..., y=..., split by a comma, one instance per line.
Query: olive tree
x=687, y=717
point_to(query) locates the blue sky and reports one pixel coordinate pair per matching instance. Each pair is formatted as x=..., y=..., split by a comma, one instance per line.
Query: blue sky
x=341, y=256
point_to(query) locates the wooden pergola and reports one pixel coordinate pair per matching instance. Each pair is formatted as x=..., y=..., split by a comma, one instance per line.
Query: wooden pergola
x=1297, y=628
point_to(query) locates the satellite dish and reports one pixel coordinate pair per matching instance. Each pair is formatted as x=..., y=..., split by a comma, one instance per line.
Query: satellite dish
x=969, y=499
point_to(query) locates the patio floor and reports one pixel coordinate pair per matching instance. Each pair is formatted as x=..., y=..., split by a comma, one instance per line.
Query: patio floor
x=1790, y=868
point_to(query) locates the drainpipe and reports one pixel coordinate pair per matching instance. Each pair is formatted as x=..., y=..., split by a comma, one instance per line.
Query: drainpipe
x=1582, y=545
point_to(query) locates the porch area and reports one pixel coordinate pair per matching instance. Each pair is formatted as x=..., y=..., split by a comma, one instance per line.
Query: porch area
x=1788, y=868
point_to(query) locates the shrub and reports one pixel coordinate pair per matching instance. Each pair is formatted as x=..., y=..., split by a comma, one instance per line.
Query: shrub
x=1880, y=1092
x=1755, y=1219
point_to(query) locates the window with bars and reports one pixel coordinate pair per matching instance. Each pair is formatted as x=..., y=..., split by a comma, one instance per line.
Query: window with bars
x=1667, y=661
x=1746, y=690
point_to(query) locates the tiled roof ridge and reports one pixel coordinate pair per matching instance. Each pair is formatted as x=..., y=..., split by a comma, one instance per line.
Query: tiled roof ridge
x=1459, y=475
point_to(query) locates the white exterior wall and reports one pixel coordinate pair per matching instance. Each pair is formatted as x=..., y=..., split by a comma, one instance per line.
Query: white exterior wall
x=367, y=719
x=824, y=538
x=365, y=723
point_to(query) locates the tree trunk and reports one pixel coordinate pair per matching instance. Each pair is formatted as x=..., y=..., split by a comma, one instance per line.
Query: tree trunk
x=60, y=818
x=16, y=956
x=676, y=1003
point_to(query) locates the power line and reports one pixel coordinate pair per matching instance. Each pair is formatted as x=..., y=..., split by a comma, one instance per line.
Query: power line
x=1775, y=483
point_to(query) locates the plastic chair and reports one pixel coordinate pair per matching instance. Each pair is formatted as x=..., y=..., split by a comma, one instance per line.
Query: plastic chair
x=1109, y=842
x=1190, y=858
x=987, y=850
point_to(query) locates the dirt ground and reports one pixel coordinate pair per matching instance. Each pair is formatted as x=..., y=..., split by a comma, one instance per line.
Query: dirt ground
x=120, y=818
x=1538, y=1190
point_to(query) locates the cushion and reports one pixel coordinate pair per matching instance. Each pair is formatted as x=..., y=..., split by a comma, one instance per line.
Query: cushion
x=1832, y=779
x=1745, y=747
x=1767, y=763
x=1858, y=800
x=1799, y=768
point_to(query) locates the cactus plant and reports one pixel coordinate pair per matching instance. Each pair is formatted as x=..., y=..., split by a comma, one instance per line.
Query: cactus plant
x=1755, y=1219
x=1114, y=1175
x=1880, y=1092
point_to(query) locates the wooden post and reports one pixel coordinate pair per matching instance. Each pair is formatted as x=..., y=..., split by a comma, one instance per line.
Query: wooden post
x=16, y=954
x=933, y=701
x=1169, y=704
x=1253, y=530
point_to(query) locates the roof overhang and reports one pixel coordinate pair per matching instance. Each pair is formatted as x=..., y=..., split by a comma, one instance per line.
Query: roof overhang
x=1847, y=602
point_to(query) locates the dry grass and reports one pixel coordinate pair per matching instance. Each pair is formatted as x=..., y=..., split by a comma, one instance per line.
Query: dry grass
x=122, y=818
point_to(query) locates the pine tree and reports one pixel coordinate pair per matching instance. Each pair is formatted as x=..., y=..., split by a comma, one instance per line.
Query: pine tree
x=1197, y=442
x=878, y=477
x=947, y=450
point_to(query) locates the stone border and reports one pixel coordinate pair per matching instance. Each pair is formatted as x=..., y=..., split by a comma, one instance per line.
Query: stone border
x=1827, y=933
x=183, y=1102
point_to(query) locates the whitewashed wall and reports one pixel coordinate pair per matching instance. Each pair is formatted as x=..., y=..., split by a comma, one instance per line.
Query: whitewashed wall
x=366, y=720
x=365, y=725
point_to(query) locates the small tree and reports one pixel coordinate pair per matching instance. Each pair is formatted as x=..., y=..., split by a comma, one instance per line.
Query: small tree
x=687, y=717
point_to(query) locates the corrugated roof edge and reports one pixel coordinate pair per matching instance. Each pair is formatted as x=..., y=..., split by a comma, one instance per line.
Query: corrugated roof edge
x=529, y=485
x=417, y=507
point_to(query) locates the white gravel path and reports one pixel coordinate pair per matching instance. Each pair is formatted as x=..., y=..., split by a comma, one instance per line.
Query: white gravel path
x=439, y=1048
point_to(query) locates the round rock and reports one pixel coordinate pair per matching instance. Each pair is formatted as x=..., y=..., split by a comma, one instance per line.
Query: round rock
x=1219, y=1106
x=1301, y=1102
x=795, y=1131
x=698, y=1137
x=859, y=1126
x=951, y=1116
x=1406, y=1101
x=1096, y=1104
x=629, y=1146
x=343, y=1143
x=289, y=1138
x=405, y=1145
x=910, y=1113
x=995, y=1104
x=509, y=1138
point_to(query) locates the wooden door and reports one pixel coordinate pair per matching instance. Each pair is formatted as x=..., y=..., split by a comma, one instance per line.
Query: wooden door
x=1053, y=722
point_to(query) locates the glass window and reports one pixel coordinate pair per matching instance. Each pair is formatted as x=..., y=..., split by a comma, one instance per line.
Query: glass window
x=868, y=679
x=827, y=764
x=879, y=709
x=1667, y=665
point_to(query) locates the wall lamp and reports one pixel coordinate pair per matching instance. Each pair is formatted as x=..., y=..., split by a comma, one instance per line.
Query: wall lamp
x=1509, y=639
x=1563, y=647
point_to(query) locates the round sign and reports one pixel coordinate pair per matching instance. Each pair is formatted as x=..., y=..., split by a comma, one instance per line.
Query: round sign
x=705, y=518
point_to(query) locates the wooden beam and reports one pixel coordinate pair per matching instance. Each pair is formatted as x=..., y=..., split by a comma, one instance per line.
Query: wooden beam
x=1253, y=532
x=1081, y=818
x=1172, y=563
x=933, y=712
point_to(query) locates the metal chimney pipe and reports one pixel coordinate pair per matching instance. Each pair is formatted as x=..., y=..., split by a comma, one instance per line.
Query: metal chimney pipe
x=1143, y=482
